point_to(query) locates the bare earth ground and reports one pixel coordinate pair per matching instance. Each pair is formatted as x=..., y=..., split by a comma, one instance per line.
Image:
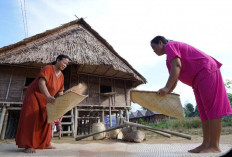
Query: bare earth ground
x=154, y=145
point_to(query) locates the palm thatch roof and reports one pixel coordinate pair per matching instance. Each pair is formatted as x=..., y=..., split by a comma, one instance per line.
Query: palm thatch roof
x=76, y=39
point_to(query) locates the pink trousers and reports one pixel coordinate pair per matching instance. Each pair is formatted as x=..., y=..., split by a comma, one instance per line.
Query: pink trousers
x=211, y=97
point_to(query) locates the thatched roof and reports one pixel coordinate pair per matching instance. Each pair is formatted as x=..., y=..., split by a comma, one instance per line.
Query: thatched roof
x=76, y=39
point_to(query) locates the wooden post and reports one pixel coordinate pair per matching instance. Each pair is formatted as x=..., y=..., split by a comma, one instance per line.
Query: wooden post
x=75, y=122
x=4, y=125
x=103, y=115
x=2, y=117
x=110, y=112
x=125, y=92
x=99, y=90
x=121, y=117
x=127, y=115
x=72, y=124
x=116, y=116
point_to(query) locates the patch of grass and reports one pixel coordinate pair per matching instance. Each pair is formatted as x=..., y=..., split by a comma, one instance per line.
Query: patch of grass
x=192, y=125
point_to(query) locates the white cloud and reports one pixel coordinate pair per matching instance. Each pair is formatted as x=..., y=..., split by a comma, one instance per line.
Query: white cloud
x=130, y=25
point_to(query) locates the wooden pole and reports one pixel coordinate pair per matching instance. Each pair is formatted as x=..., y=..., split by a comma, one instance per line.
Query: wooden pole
x=127, y=115
x=159, y=132
x=75, y=122
x=166, y=131
x=116, y=116
x=110, y=112
x=103, y=116
x=110, y=129
x=72, y=124
x=2, y=117
x=4, y=126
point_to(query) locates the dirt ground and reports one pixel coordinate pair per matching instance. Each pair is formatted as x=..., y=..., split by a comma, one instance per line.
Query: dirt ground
x=225, y=139
x=164, y=147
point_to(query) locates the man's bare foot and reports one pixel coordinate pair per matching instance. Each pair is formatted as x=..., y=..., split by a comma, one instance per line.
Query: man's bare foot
x=59, y=138
x=211, y=150
x=198, y=149
x=29, y=150
x=50, y=147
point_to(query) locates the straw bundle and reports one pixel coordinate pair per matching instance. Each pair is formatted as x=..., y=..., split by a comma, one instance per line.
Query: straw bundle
x=66, y=102
x=169, y=104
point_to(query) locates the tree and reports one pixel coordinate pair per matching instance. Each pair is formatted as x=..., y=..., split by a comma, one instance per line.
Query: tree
x=228, y=86
x=189, y=110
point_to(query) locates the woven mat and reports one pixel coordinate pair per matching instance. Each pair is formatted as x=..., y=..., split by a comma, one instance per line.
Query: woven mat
x=116, y=149
x=66, y=102
x=169, y=104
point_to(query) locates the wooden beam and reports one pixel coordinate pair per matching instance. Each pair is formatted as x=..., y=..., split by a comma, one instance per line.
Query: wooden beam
x=106, y=71
x=95, y=69
x=119, y=78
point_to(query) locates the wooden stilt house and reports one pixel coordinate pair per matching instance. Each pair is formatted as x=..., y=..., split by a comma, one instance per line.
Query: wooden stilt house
x=108, y=76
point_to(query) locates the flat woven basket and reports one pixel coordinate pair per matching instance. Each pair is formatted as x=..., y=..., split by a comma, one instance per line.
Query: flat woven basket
x=64, y=103
x=169, y=104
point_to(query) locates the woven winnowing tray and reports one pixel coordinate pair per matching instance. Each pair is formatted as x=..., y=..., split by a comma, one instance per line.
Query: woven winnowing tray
x=66, y=102
x=169, y=104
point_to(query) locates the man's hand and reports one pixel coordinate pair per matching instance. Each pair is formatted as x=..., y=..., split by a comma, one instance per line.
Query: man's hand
x=163, y=91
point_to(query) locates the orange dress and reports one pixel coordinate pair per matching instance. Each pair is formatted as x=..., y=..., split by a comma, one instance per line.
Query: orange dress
x=33, y=130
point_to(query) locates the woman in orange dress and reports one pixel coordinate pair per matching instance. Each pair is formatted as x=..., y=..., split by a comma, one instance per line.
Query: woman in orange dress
x=33, y=130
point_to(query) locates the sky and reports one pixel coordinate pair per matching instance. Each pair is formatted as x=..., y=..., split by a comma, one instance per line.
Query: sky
x=129, y=26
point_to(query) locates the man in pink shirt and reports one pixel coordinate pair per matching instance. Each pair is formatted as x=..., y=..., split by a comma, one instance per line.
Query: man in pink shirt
x=202, y=72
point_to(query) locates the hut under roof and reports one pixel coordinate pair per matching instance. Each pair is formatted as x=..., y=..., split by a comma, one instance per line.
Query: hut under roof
x=108, y=76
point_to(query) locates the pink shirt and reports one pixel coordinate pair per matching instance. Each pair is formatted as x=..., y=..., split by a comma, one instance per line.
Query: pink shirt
x=192, y=60
x=57, y=121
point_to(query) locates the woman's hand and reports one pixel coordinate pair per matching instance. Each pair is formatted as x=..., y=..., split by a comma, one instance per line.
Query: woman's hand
x=50, y=99
x=163, y=91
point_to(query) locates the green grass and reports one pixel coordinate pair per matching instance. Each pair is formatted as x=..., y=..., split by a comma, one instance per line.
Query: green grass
x=191, y=125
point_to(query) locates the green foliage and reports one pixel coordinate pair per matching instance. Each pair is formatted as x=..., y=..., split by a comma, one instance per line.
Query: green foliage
x=140, y=121
x=228, y=83
x=227, y=120
x=230, y=98
x=187, y=123
x=190, y=111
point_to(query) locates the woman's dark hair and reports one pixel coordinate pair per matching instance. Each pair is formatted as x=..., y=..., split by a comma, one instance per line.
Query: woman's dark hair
x=159, y=38
x=60, y=57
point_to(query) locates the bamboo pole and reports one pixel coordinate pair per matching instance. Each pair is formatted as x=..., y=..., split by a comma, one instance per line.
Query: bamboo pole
x=159, y=132
x=2, y=117
x=4, y=126
x=110, y=129
x=166, y=131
